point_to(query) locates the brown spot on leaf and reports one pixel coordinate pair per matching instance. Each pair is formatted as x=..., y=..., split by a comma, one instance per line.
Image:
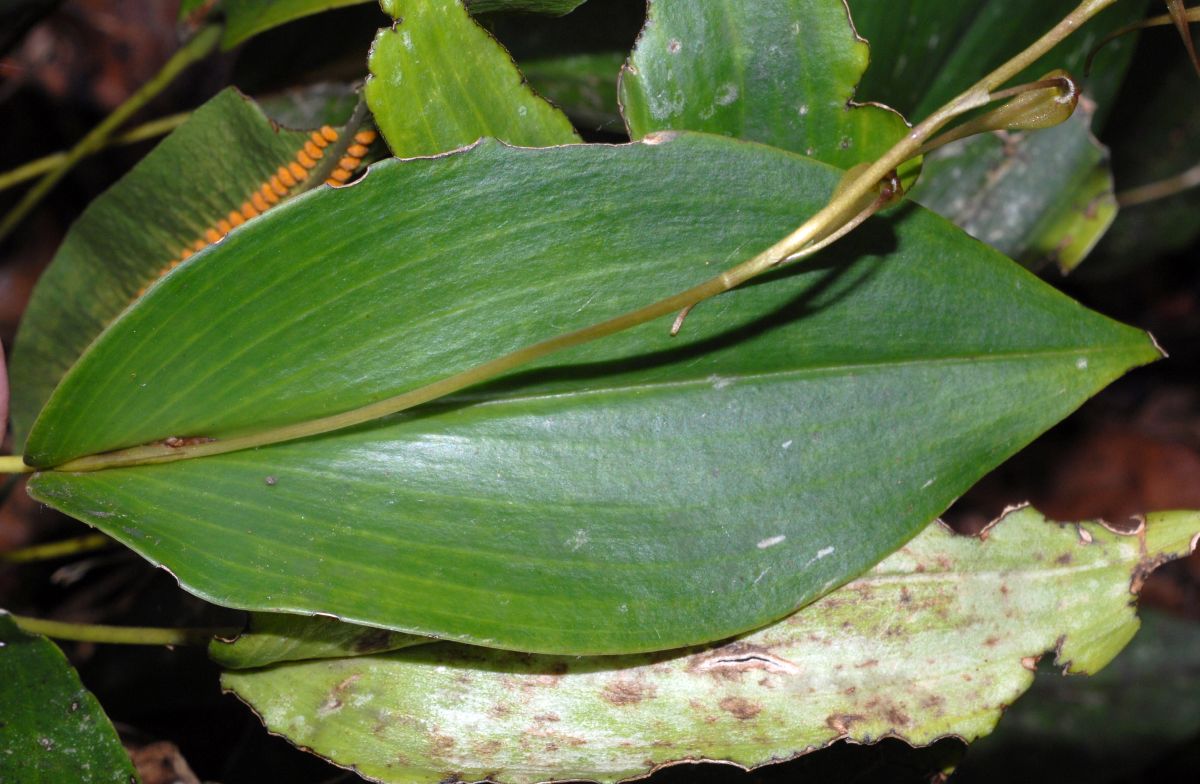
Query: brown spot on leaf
x=740, y=707
x=867, y=663
x=897, y=717
x=1030, y=663
x=842, y=722
x=991, y=642
x=488, y=748
x=440, y=744
x=1064, y=559
x=626, y=692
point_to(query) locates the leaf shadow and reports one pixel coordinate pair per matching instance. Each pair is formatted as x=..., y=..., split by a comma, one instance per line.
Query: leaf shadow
x=832, y=277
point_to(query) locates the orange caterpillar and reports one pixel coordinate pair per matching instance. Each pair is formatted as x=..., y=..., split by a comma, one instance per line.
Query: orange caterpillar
x=281, y=183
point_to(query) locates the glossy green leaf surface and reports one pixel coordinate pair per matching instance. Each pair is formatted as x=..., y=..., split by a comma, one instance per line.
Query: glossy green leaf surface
x=935, y=640
x=52, y=730
x=439, y=81
x=553, y=511
x=131, y=232
x=276, y=637
x=924, y=52
x=781, y=72
x=1042, y=197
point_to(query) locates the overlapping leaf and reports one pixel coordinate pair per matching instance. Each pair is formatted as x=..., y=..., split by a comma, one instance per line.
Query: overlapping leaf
x=439, y=81
x=273, y=638
x=209, y=166
x=593, y=506
x=782, y=72
x=52, y=729
x=936, y=640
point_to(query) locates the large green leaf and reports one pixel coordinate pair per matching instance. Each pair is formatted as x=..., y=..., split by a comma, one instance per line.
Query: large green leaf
x=1044, y=197
x=439, y=81
x=811, y=424
x=924, y=52
x=209, y=166
x=937, y=640
x=781, y=72
x=52, y=730
x=246, y=18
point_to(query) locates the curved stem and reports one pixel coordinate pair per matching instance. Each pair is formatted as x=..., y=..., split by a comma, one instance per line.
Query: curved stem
x=825, y=223
x=61, y=549
x=150, y=130
x=121, y=635
x=195, y=49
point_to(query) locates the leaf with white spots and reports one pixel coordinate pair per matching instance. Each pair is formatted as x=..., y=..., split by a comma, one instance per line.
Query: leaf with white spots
x=780, y=72
x=936, y=640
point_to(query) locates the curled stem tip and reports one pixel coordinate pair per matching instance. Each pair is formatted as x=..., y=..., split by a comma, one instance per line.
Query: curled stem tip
x=1045, y=103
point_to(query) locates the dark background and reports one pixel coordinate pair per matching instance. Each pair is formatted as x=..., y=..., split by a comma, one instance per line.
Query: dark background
x=1134, y=448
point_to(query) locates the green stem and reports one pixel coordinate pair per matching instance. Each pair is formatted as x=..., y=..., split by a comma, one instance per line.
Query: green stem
x=46, y=552
x=121, y=635
x=195, y=49
x=13, y=464
x=840, y=209
x=150, y=130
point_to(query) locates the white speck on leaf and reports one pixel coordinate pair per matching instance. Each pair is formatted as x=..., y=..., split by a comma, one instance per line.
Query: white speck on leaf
x=771, y=541
x=1081, y=363
x=787, y=444
x=579, y=539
